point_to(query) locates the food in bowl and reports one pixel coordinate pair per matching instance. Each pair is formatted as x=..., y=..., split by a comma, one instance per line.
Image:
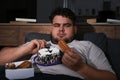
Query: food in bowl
x=49, y=56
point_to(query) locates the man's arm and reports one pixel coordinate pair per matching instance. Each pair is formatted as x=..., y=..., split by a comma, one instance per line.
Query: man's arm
x=91, y=73
x=74, y=62
x=10, y=54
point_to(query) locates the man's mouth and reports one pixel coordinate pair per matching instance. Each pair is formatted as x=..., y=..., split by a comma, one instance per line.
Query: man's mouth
x=61, y=35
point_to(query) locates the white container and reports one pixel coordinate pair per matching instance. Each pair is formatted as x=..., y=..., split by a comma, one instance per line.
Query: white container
x=19, y=73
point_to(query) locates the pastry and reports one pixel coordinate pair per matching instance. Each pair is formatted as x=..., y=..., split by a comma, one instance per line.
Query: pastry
x=10, y=66
x=63, y=45
x=25, y=64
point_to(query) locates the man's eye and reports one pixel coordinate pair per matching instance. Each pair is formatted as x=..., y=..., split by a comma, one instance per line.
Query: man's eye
x=67, y=25
x=56, y=25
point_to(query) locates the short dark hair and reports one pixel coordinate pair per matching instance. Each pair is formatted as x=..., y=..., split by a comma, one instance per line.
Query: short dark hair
x=63, y=12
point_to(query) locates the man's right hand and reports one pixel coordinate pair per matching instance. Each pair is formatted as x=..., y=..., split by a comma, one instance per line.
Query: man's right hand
x=34, y=45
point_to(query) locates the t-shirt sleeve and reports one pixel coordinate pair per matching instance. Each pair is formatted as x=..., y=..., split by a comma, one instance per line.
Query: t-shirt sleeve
x=97, y=58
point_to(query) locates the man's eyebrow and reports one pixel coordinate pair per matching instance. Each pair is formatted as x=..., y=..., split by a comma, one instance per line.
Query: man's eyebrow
x=56, y=23
x=62, y=23
x=67, y=24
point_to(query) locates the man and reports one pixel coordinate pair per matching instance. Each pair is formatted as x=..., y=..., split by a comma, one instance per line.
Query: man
x=85, y=60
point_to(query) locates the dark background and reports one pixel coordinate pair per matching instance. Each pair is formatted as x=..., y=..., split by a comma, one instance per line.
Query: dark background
x=40, y=10
x=10, y=9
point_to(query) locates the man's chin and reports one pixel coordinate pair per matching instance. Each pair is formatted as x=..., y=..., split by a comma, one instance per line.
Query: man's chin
x=55, y=41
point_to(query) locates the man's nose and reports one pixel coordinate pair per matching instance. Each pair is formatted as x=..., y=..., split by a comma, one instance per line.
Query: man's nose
x=61, y=28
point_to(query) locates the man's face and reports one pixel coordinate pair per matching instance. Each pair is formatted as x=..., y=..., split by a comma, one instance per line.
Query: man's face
x=62, y=28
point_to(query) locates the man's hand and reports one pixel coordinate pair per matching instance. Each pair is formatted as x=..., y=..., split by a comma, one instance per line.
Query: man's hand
x=33, y=46
x=72, y=60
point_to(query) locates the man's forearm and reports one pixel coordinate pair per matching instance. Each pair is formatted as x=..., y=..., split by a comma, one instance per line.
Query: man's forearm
x=10, y=54
x=90, y=73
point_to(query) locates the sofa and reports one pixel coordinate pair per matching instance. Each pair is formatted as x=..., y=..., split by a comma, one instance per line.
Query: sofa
x=111, y=47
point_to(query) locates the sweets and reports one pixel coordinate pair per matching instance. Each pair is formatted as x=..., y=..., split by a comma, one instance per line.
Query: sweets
x=63, y=45
x=10, y=66
x=24, y=64
x=49, y=56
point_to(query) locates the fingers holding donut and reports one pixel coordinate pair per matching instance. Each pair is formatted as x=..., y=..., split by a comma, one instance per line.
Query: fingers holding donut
x=42, y=43
x=33, y=46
